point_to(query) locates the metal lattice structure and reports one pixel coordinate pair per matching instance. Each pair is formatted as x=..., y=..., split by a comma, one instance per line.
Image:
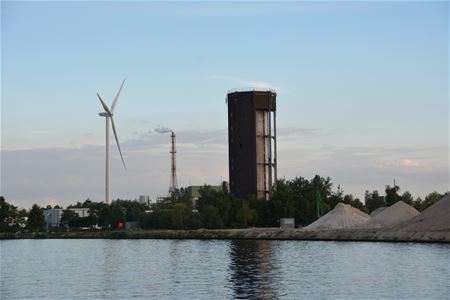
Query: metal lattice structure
x=173, y=166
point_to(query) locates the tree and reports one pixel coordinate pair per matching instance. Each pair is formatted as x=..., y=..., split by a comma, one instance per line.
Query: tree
x=132, y=209
x=11, y=219
x=210, y=217
x=407, y=198
x=180, y=214
x=117, y=214
x=374, y=201
x=36, y=220
x=392, y=195
x=69, y=217
x=430, y=199
x=417, y=204
x=355, y=202
x=247, y=216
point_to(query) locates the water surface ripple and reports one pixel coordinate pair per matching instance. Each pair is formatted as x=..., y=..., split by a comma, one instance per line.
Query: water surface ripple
x=194, y=269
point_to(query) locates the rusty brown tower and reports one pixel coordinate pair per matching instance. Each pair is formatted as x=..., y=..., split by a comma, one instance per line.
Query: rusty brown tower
x=252, y=142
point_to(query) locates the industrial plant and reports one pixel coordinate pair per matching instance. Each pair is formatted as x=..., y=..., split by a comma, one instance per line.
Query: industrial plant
x=252, y=143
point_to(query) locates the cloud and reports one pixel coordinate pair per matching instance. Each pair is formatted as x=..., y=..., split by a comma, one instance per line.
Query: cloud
x=407, y=163
x=67, y=175
x=245, y=83
x=162, y=129
x=367, y=168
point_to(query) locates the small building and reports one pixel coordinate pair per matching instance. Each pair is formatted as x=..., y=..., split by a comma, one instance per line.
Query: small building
x=53, y=216
x=287, y=223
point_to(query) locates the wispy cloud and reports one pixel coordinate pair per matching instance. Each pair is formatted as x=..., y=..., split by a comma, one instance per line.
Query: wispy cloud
x=162, y=129
x=406, y=163
x=245, y=83
x=74, y=174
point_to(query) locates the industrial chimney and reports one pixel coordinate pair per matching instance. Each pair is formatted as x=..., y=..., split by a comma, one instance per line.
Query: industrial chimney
x=173, y=168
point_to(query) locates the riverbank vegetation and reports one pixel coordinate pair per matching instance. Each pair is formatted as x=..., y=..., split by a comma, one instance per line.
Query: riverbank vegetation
x=299, y=198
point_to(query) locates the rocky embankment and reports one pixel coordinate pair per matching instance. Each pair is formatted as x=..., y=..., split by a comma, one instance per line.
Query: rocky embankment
x=250, y=233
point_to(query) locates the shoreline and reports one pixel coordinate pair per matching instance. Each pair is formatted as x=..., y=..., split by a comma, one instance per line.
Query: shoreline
x=248, y=234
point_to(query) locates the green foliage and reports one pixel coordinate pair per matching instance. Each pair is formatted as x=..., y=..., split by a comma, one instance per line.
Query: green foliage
x=11, y=219
x=392, y=195
x=429, y=200
x=117, y=214
x=374, y=201
x=246, y=216
x=68, y=217
x=355, y=202
x=71, y=219
x=298, y=198
x=160, y=218
x=407, y=198
x=132, y=209
x=217, y=208
x=36, y=220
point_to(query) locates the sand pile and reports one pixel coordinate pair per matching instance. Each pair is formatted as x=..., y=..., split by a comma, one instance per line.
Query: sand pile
x=377, y=211
x=343, y=216
x=434, y=218
x=395, y=214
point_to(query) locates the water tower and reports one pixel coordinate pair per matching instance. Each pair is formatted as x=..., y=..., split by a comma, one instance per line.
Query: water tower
x=252, y=142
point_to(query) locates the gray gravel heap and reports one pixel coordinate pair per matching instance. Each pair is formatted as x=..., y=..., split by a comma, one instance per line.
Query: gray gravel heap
x=377, y=211
x=435, y=218
x=395, y=214
x=343, y=216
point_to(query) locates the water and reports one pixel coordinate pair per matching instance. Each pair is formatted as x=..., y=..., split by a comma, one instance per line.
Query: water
x=193, y=269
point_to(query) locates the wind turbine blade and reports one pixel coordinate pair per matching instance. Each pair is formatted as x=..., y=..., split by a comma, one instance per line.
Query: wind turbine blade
x=117, y=141
x=117, y=97
x=104, y=104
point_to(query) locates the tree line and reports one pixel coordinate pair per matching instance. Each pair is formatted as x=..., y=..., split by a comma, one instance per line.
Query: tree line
x=299, y=198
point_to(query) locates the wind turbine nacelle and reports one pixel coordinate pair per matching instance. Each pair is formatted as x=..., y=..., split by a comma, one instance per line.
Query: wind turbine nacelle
x=103, y=114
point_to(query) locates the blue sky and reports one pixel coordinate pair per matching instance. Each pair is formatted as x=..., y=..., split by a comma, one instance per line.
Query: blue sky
x=363, y=92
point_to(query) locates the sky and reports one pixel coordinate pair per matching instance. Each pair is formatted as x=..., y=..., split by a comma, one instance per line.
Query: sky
x=362, y=93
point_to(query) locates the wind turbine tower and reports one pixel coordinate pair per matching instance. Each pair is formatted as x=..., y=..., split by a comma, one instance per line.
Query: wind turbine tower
x=173, y=169
x=108, y=114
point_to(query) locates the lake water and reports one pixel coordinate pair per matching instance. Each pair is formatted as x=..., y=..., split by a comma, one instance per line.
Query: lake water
x=194, y=269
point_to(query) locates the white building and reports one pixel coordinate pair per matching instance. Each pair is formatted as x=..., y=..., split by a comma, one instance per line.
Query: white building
x=81, y=212
x=53, y=215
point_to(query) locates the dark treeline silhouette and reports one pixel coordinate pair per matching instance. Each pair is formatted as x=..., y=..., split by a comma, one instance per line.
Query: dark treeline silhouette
x=299, y=198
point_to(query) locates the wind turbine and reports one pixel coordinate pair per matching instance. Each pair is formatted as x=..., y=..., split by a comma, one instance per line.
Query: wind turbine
x=108, y=114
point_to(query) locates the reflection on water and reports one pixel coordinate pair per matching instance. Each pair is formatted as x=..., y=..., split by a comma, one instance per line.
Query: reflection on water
x=251, y=269
x=195, y=269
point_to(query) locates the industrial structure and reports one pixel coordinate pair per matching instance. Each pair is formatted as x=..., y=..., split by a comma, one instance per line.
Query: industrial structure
x=252, y=142
x=173, y=165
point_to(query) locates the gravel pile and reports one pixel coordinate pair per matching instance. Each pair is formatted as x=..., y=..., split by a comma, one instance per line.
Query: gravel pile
x=395, y=214
x=343, y=216
x=377, y=211
x=434, y=218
